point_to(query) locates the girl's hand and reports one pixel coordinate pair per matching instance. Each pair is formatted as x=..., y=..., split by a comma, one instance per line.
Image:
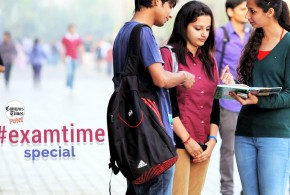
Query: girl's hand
x=193, y=148
x=205, y=155
x=226, y=76
x=252, y=99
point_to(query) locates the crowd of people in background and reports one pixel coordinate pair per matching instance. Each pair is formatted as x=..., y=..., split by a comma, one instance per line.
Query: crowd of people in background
x=36, y=53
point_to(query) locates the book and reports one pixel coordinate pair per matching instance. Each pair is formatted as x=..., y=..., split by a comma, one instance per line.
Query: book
x=222, y=91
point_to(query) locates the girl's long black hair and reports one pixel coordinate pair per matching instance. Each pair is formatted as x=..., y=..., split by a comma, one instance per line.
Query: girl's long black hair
x=251, y=49
x=188, y=14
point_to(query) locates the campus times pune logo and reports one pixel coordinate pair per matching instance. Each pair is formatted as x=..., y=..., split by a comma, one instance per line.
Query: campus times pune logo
x=15, y=112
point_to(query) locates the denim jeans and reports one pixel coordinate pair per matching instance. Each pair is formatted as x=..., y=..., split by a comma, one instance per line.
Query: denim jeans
x=160, y=185
x=71, y=68
x=7, y=73
x=263, y=164
x=36, y=72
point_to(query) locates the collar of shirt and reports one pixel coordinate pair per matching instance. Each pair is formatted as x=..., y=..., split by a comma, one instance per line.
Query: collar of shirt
x=196, y=54
x=229, y=27
x=70, y=36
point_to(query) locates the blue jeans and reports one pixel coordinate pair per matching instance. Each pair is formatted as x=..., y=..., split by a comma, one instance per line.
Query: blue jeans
x=36, y=72
x=7, y=73
x=263, y=164
x=71, y=68
x=161, y=185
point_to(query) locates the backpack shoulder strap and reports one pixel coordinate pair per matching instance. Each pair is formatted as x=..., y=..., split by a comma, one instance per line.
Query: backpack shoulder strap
x=133, y=50
x=226, y=39
x=173, y=57
x=133, y=53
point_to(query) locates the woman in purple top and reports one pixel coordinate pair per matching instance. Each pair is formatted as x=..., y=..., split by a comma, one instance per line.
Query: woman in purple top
x=36, y=58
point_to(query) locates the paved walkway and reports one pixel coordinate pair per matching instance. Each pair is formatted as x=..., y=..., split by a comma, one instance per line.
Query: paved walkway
x=50, y=107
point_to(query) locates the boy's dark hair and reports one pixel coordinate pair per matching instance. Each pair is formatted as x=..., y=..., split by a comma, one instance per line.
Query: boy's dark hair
x=7, y=33
x=71, y=25
x=231, y=4
x=36, y=41
x=148, y=3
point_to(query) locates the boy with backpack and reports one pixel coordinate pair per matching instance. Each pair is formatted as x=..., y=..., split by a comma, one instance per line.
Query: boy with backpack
x=151, y=12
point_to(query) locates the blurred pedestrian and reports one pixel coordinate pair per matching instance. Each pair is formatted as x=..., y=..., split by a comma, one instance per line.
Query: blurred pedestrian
x=8, y=53
x=88, y=56
x=98, y=55
x=36, y=58
x=70, y=55
x=109, y=60
x=55, y=47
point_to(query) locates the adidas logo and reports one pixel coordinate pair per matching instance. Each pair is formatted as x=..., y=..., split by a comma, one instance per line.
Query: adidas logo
x=141, y=164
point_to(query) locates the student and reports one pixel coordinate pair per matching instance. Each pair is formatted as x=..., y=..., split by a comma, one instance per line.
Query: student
x=151, y=12
x=228, y=52
x=8, y=53
x=197, y=119
x=36, y=58
x=72, y=44
x=262, y=141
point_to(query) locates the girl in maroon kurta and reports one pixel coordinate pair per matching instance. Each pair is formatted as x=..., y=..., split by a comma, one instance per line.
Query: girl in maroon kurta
x=196, y=117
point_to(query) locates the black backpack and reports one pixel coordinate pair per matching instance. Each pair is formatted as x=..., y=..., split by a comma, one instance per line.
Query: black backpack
x=139, y=145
